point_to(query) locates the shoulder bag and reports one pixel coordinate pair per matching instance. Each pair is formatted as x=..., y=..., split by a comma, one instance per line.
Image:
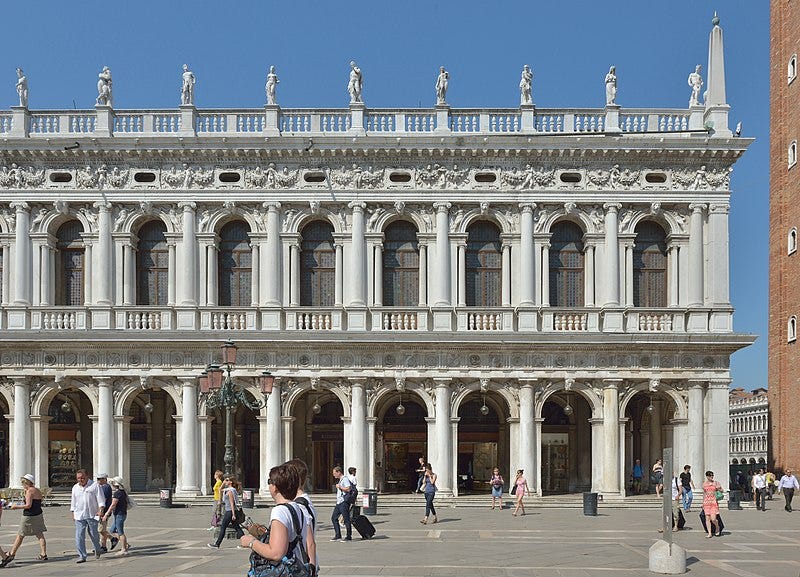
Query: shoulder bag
x=294, y=564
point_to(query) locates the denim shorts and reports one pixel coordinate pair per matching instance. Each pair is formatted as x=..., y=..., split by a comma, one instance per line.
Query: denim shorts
x=497, y=491
x=119, y=524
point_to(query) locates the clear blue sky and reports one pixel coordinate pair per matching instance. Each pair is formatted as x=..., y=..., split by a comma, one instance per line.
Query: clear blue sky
x=399, y=46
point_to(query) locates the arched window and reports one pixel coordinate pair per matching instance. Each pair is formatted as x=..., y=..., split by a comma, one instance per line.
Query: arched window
x=400, y=265
x=650, y=266
x=70, y=262
x=152, y=265
x=317, y=265
x=791, y=69
x=566, y=265
x=792, y=329
x=792, y=153
x=235, y=265
x=484, y=265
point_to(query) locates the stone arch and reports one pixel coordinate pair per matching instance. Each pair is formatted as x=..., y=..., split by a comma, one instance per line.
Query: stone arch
x=681, y=410
x=295, y=222
x=136, y=220
x=222, y=217
x=490, y=215
x=295, y=393
x=497, y=392
x=665, y=219
x=577, y=217
x=44, y=396
x=53, y=220
x=585, y=390
x=124, y=399
x=378, y=406
x=391, y=216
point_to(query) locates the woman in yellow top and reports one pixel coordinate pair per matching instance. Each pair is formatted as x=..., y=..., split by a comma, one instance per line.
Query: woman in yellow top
x=216, y=512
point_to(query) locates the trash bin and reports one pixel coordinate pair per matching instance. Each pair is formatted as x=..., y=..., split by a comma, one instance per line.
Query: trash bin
x=165, y=499
x=735, y=500
x=249, y=498
x=590, y=504
x=369, y=502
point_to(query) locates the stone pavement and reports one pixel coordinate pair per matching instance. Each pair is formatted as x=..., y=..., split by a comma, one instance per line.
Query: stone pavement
x=466, y=542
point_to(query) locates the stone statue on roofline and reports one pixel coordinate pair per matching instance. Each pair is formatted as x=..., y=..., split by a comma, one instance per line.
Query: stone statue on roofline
x=104, y=95
x=442, y=82
x=22, y=88
x=526, y=86
x=187, y=88
x=695, y=80
x=355, y=84
x=611, y=86
x=272, y=86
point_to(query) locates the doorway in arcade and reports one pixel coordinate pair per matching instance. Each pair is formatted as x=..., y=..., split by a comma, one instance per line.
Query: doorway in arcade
x=479, y=447
x=405, y=437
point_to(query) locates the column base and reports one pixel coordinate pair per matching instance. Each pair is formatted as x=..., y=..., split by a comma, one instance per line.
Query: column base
x=187, y=492
x=17, y=317
x=357, y=319
x=186, y=318
x=527, y=319
x=442, y=319
x=102, y=317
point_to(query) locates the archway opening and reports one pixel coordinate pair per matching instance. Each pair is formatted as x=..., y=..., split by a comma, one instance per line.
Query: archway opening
x=70, y=441
x=566, y=444
x=482, y=442
x=405, y=437
x=649, y=431
x=246, y=445
x=152, y=440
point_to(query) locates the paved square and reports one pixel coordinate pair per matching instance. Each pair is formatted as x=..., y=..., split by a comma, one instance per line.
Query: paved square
x=467, y=541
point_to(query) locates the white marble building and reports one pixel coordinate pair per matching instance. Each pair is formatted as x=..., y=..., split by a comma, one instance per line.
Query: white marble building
x=749, y=429
x=544, y=289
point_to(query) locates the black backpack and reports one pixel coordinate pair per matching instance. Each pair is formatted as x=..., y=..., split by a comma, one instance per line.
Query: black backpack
x=351, y=495
x=307, y=506
x=294, y=564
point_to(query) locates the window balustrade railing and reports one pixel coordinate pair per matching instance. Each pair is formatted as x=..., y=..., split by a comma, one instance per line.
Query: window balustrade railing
x=144, y=319
x=243, y=122
x=224, y=319
x=654, y=321
x=58, y=319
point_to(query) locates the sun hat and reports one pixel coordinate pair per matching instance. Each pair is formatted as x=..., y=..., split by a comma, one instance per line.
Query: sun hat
x=118, y=481
x=28, y=477
x=101, y=476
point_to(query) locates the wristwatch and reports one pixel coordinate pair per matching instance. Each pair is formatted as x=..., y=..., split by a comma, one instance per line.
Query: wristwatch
x=251, y=543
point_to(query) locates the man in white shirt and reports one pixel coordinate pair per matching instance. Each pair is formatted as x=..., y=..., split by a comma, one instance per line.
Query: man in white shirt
x=787, y=485
x=760, y=490
x=87, y=499
x=342, y=507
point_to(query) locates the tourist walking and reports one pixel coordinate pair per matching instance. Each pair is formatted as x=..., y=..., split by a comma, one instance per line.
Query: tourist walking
x=86, y=501
x=32, y=520
x=102, y=525
x=420, y=475
x=119, y=507
x=282, y=545
x=760, y=490
x=232, y=502
x=304, y=500
x=787, y=486
x=519, y=489
x=658, y=476
x=429, y=483
x=637, y=475
x=687, y=486
x=497, y=487
x=217, y=510
x=770, y=484
x=342, y=506
x=711, y=495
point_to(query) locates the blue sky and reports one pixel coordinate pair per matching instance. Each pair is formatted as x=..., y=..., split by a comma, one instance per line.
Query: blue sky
x=399, y=46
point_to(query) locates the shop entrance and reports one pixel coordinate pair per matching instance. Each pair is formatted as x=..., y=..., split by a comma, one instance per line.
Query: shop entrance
x=405, y=436
x=478, y=444
x=566, y=441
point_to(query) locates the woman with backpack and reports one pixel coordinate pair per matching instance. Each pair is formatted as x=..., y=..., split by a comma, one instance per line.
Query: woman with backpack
x=233, y=503
x=119, y=507
x=282, y=549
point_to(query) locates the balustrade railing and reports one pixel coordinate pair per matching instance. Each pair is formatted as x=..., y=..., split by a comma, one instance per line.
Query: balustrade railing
x=400, y=321
x=58, y=319
x=570, y=321
x=227, y=320
x=233, y=122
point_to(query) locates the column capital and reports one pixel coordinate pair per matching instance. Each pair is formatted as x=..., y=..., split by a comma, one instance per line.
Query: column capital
x=696, y=383
x=272, y=206
x=357, y=381
x=442, y=206
x=188, y=380
x=719, y=208
x=612, y=207
x=187, y=205
x=103, y=205
x=19, y=206
x=527, y=207
x=611, y=383
x=719, y=384
x=441, y=382
x=357, y=206
x=102, y=381
x=698, y=207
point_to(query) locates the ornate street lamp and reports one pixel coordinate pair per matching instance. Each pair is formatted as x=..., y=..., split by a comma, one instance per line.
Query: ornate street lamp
x=222, y=392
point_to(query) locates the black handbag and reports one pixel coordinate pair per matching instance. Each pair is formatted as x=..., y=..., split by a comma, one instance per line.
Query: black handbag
x=514, y=489
x=238, y=516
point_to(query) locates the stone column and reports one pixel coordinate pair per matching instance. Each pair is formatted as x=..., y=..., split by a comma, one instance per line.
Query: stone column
x=371, y=481
x=612, y=254
x=696, y=428
x=274, y=453
x=611, y=435
x=358, y=264
x=6, y=283
x=357, y=443
x=212, y=272
x=442, y=296
x=716, y=450
x=527, y=432
x=104, y=244
x=590, y=281
x=22, y=257
x=45, y=260
x=288, y=438
x=598, y=457
x=255, y=286
x=205, y=453
x=189, y=482
x=173, y=273
x=462, y=274
x=506, y=275
x=378, y=264
x=338, y=289
x=263, y=443
x=294, y=257
x=526, y=261
x=444, y=440
x=423, y=274
x=88, y=276
x=21, y=451
x=672, y=273
x=272, y=255
x=629, y=274
x=546, y=274
x=128, y=275
x=41, y=465
x=188, y=286
x=718, y=261
x=537, y=488
x=696, y=258
x=122, y=430
x=106, y=457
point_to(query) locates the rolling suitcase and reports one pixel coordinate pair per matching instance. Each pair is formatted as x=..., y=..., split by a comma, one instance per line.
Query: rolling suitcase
x=705, y=527
x=364, y=527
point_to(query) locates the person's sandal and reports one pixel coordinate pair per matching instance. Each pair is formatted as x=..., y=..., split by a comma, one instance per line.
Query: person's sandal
x=6, y=560
x=41, y=557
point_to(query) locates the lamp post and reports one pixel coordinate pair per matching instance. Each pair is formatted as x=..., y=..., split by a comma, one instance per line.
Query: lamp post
x=217, y=384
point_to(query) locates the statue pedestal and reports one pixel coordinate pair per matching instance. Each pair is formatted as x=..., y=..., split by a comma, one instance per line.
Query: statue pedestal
x=612, y=119
x=188, y=120
x=272, y=116
x=442, y=118
x=104, y=125
x=357, y=110
x=20, y=120
x=696, y=117
x=528, y=114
